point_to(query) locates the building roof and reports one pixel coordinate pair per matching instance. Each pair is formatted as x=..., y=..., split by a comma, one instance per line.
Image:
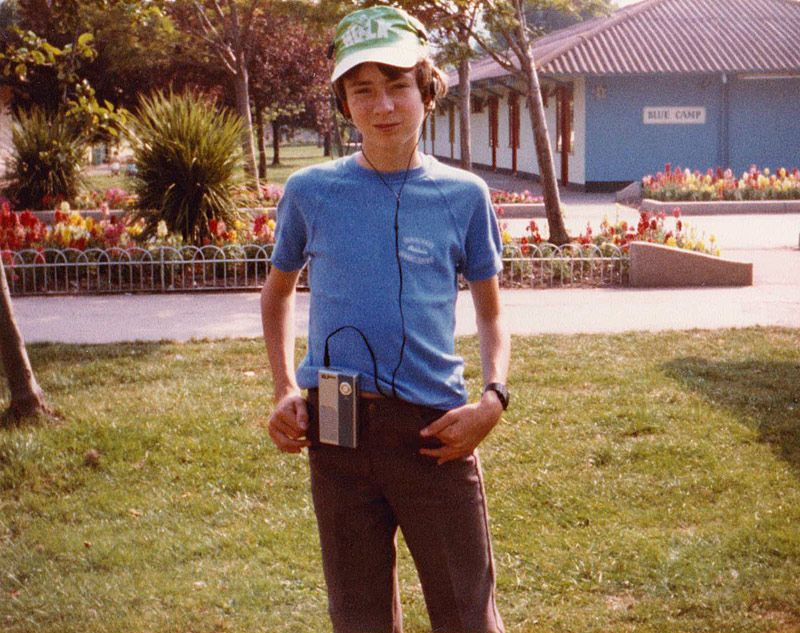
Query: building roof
x=672, y=36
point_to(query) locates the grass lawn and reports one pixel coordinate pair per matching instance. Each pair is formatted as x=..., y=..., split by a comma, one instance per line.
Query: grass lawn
x=293, y=157
x=640, y=482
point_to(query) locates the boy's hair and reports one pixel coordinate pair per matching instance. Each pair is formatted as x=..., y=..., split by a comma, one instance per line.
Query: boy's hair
x=430, y=81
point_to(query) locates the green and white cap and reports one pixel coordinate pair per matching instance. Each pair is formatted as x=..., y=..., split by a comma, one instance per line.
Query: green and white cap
x=384, y=35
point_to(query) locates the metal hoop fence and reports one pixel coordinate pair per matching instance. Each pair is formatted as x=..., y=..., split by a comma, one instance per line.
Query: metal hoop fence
x=246, y=266
x=546, y=265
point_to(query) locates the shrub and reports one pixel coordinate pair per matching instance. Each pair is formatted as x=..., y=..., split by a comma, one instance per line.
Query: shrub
x=45, y=160
x=187, y=153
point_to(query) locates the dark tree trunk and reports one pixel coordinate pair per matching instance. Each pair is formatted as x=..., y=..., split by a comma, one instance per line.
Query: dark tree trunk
x=276, y=142
x=326, y=144
x=27, y=397
x=262, y=151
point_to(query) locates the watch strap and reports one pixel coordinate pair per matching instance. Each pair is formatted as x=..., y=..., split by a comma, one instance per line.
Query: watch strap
x=502, y=392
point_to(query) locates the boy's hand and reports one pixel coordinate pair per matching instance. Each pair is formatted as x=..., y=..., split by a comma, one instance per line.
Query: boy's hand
x=463, y=428
x=288, y=424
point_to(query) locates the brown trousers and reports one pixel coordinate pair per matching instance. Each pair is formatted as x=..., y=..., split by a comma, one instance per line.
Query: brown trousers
x=361, y=496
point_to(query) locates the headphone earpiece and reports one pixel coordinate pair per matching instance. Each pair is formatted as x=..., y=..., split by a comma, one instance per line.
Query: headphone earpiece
x=341, y=107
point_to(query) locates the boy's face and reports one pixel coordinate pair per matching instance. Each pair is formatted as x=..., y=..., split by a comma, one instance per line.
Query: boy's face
x=387, y=112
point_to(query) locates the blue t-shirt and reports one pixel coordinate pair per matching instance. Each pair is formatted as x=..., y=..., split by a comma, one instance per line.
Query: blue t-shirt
x=339, y=217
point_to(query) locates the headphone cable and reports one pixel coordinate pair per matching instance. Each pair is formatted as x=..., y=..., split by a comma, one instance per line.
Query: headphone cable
x=397, y=194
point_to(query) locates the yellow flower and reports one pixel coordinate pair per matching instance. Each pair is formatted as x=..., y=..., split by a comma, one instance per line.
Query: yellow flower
x=712, y=238
x=716, y=252
x=238, y=225
x=671, y=241
x=271, y=224
x=506, y=237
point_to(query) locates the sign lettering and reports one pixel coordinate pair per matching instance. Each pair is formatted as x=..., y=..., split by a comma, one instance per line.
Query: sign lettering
x=674, y=115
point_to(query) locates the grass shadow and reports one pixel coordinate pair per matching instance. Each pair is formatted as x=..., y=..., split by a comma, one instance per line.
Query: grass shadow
x=764, y=393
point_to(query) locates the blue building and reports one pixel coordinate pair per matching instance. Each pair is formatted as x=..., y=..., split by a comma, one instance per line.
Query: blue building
x=694, y=83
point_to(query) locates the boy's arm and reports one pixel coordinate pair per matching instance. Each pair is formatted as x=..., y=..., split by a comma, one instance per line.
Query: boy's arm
x=289, y=419
x=463, y=428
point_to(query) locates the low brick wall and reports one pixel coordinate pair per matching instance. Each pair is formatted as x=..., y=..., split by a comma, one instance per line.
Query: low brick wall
x=656, y=265
x=522, y=210
x=722, y=207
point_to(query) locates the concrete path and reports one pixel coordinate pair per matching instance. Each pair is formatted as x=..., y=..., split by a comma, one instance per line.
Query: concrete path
x=774, y=299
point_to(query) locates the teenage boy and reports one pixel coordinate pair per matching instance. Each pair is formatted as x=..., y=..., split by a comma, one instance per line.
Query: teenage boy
x=385, y=234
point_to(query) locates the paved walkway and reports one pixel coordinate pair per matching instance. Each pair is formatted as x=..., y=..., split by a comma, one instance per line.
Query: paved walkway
x=770, y=242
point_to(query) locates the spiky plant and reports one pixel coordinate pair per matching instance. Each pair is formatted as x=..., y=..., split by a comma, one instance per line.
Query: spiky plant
x=187, y=152
x=45, y=160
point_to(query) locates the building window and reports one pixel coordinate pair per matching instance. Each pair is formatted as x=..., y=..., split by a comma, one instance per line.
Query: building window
x=564, y=94
x=476, y=104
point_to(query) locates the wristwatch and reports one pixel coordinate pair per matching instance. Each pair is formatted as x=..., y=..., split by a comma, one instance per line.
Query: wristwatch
x=500, y=389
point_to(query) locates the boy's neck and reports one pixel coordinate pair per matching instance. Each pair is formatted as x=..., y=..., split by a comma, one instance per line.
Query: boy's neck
x=389, y=161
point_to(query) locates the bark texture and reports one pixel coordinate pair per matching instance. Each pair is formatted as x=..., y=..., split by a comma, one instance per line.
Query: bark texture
x=27, y=397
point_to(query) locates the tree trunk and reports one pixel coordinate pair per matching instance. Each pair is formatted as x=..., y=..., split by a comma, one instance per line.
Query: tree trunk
x=242, y=90
x=326, y=144
x=276, y=142
x=262, y=151
x=27, y=397
x=544, y=153
x=464, y=115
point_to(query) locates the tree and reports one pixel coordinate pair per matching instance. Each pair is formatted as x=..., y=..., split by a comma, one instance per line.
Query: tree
x=287, y=88
x=27, y=397
x=507, y=19
x=26, y=54
x=451, y=24
x=133, y=48
x=226, y=28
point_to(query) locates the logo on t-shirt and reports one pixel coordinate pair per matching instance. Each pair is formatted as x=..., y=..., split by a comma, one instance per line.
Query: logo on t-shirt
x=417, y=250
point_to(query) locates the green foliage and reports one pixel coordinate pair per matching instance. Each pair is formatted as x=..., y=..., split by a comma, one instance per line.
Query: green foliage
x=26, y=54
x=46, y=159
x=187, y=153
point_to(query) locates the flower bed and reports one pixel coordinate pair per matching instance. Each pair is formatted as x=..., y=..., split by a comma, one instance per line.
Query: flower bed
x=82, y=254
x=652, y=227
x=72, y=229
x=721, y=185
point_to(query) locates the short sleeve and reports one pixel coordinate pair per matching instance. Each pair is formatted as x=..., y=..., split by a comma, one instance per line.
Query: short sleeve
x=291, y=233
x=483, y=244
